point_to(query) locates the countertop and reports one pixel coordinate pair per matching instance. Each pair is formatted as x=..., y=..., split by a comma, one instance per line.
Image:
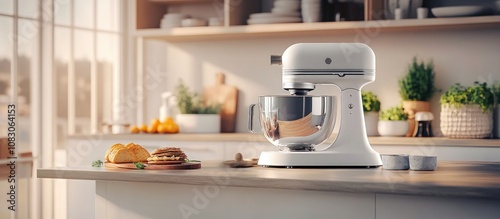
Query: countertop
x=451, y=179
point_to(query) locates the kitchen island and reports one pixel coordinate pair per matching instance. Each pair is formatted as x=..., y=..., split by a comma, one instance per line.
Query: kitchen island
x=454, y=190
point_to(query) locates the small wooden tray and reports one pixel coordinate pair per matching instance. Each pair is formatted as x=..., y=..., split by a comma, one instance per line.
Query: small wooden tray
x=240, y=164
x=182, y=166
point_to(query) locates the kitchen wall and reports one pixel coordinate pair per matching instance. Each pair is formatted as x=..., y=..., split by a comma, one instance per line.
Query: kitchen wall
x=463, y=56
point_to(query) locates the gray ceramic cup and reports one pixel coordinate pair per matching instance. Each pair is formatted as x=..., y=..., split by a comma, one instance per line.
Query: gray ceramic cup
x=423, y=162
x=395, y=161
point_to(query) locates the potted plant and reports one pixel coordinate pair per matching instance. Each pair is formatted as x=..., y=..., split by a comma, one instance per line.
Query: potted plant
x=496, y=113
x=371, y=108
x=467, y=112
x=194, y=116
x=393, y=122
x=416, y=89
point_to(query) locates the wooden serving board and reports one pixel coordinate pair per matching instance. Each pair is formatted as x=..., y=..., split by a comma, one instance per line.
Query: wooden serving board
x=182, y=166
x=228, y=97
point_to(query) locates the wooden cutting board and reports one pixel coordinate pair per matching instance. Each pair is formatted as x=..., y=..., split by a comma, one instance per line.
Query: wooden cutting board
x=182, y=166
x=227, y=96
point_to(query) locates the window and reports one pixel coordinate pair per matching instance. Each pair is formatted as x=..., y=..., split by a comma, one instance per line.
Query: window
x=87, y=45
x=72, y=75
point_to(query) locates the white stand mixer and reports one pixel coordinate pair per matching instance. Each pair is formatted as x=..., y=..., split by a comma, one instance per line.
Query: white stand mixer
x=349, y=66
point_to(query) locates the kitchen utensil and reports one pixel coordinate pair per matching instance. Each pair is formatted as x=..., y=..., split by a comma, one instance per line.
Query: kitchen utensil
x=349, y=66
x=227, y=96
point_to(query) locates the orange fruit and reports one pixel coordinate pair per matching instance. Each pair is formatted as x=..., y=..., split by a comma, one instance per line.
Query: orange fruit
x=152, y=129
x=162, y=128
x=144, y=128
x=168, y=120
x=134, y=129
x=155, y=122
x=171, y=128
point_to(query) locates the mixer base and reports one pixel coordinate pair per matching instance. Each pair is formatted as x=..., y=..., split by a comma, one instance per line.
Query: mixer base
x=318, y=159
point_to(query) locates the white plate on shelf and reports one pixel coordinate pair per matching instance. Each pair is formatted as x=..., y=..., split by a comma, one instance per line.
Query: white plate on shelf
x=274, y=20
x=459, y=11
x=271, y=15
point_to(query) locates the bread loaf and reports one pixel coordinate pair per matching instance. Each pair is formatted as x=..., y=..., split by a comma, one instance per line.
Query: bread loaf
x=110, y=150
x=129, y=153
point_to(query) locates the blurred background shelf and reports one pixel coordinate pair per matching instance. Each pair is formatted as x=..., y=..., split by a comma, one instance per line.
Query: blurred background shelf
x=314, y=29
x=259, y=138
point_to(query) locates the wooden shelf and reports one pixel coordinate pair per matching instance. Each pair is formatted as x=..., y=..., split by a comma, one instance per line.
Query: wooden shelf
x=259, y=138
x=180, y=1
x=321, y=28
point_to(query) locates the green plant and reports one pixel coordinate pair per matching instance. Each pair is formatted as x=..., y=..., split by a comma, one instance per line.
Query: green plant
x=371, y=103
x=479, y=94
x=97, y=163
x=395, y=113
x=418, y=83
x=191, y=103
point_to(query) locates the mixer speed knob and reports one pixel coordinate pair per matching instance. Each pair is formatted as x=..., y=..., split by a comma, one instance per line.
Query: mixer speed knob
x=350, y=106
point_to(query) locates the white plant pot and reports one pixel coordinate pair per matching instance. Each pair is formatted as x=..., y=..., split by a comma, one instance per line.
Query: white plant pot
x=371, y=123
x=198, y=123
x=392, y=128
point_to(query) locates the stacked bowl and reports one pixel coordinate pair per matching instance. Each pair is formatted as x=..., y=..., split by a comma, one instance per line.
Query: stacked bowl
x=172, y=20
x=283, y=11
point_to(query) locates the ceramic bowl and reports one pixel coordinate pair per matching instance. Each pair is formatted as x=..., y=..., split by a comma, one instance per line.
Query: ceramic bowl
x=395, y=161
x=423, y=162
x=194, y=22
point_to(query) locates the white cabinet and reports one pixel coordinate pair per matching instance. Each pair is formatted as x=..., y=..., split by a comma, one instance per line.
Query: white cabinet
x=137, y=200
x=420, y=207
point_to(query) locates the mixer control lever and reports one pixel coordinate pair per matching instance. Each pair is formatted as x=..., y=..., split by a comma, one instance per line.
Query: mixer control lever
x=275, y=60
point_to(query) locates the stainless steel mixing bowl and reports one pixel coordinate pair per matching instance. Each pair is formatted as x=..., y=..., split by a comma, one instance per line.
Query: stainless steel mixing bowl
x=295, y=122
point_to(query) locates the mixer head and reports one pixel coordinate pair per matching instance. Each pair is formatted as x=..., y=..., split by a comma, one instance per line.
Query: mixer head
x=348, y=65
